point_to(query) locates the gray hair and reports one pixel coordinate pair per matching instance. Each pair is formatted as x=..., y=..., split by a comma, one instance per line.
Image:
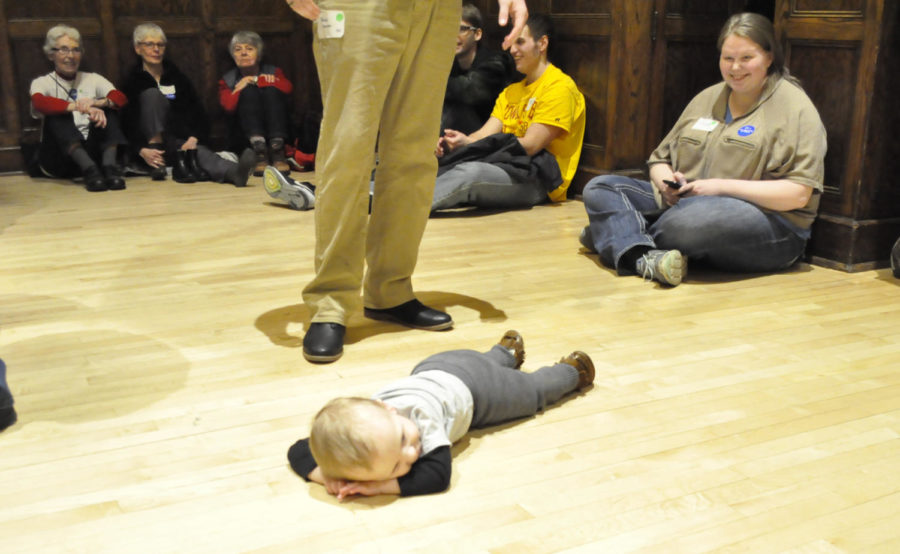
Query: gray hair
x=247, y=37
x=57, y=32
x=144, y=30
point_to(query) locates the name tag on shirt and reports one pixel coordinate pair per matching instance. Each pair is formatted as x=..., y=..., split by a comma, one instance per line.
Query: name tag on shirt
x=705, y=124
x=331, y=24
x=168, y=91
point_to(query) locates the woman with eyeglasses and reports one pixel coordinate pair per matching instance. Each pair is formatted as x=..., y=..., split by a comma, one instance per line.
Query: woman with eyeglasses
x=256, y=94
x=166, y=121
x=80, y=117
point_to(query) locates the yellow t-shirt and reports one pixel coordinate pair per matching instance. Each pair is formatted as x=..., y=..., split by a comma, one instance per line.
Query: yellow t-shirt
x=554, y=100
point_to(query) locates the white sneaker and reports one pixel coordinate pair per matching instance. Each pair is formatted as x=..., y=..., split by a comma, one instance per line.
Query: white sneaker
x=299, y=195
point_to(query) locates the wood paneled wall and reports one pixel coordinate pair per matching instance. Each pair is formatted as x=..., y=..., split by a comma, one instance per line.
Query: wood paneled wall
x=198, y=33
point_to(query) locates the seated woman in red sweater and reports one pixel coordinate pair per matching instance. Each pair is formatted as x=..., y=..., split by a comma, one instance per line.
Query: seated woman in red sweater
x=80, y=117
x=257, y=94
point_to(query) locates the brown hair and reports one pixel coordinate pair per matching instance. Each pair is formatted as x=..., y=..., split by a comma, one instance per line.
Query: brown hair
x=760, y=30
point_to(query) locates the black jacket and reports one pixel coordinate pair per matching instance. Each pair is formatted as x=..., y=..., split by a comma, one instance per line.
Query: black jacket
x=187, y=117
x=471, y=93
x=505, y=151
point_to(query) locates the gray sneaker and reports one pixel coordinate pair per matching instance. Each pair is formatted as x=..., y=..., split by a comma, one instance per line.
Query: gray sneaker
x=299, y=195
x=666, y=266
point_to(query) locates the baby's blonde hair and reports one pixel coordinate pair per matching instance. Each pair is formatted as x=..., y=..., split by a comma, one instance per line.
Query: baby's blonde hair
x=339, y=438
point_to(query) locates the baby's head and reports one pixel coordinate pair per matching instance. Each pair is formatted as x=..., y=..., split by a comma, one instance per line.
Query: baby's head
x=360, y=439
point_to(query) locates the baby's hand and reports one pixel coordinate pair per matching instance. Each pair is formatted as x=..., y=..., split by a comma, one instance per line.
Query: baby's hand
x=368, y=488
x=334, y=486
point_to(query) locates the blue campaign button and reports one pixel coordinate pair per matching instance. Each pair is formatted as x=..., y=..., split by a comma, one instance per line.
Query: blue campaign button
x=746, y=130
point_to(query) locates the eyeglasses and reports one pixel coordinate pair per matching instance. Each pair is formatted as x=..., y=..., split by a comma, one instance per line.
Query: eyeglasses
x=65, y=50
x=466, y=29
x=148, y=44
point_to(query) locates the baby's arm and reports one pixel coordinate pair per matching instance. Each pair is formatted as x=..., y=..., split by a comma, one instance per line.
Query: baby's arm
x=430, y=474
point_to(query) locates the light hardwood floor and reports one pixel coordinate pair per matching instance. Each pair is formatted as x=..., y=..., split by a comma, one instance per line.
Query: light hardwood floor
x=153, y=343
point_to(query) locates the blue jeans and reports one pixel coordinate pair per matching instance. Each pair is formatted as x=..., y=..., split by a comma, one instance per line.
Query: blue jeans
x=724, y=232
x=483, y=185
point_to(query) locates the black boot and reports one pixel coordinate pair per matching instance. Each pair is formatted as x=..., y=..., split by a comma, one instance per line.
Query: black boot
x=93, y=179
x=194, y=164
x=115, y=177
x=181, y=171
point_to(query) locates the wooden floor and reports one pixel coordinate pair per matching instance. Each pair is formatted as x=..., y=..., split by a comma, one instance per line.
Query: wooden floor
x=153, y=338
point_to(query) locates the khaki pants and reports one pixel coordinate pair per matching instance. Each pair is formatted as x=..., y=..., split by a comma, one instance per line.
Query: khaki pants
x=386, y=74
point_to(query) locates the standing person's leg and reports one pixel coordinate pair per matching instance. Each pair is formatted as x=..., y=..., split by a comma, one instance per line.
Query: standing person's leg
x=728, y=233
x=483, y=185
x=354, y=77
x=404, y=180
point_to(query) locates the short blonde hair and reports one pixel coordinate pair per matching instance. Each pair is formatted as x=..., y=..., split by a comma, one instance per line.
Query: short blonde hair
x=339, y=440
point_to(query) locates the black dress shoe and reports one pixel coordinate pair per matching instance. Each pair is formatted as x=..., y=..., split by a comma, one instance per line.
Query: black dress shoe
x=324, y=342
x=412, y=314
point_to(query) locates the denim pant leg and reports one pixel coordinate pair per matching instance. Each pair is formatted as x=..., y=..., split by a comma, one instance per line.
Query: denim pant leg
x=614, y=204
x=250, y=112
x=729, y=234
x=483, y=185
x=274, y=105
x=154, y=113
x=500, y=392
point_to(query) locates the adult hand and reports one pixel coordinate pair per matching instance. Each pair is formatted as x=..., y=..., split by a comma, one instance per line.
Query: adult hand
x=266, y=78
x=670, y=195
x=189, y=144
x=246, y=81
x=152, y=156
x=519, y=12
x=84, y=105
x=452, y=140
x=97, y=117
x=700, y=187
x=306, y=8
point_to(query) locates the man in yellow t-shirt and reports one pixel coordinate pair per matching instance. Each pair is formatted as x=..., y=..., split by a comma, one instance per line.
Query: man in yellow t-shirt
x=545, y=111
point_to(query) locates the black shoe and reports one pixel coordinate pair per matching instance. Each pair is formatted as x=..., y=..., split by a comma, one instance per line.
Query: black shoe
x=158, y=173
x=93, y=179
x=194, y=165
x=181, y=171
x=412, y=314
x=324, y=342
x=115, y=177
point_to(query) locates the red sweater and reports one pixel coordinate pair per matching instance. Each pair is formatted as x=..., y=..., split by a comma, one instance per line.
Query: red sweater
x=229, y=98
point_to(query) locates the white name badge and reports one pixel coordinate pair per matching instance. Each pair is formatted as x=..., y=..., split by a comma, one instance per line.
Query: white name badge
x=331, y=24
x=168, y=91
x=705, y=124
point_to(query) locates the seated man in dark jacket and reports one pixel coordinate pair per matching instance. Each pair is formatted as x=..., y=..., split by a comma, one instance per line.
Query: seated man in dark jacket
x=477, y=77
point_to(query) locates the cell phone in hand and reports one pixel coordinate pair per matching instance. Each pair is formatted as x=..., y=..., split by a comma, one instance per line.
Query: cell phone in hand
x=674, y=184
